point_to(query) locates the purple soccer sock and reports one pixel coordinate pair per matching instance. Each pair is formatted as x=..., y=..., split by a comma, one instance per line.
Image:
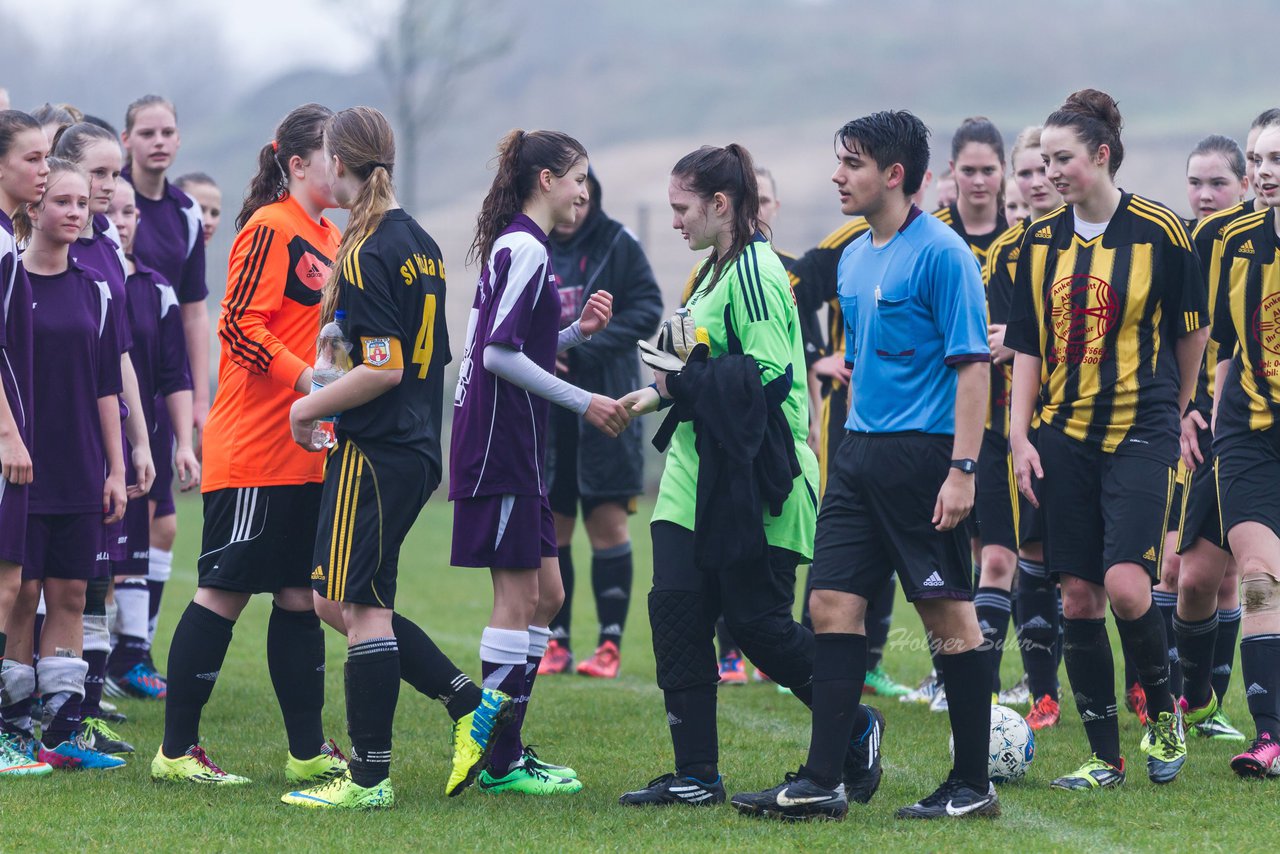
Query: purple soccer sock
x=504, y=659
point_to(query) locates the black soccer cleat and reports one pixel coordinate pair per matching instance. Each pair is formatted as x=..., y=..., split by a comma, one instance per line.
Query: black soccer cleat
x=955, y=799
x=795, y=799
x=672, y=789
x=862, y=769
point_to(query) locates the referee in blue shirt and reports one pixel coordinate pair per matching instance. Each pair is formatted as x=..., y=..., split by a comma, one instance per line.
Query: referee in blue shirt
x=902, y=480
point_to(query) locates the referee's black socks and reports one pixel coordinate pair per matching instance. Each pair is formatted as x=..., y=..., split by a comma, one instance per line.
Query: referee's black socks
x=430, y=671
x=968, y=676
x=373, y=688
x=295, y=659
x=196, y=653
x=839, y=670
x=994, y=607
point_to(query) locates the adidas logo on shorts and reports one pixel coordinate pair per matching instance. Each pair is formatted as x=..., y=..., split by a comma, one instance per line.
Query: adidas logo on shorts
x=1255, y=690
x=1150, y=554
x=934, y=580
x=317, y=574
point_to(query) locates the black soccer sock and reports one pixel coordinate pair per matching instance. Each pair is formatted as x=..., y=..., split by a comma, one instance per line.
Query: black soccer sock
x=373, y=688
x=1038, y=628
x=562, y=624
x=1196, y=641
x=994, y=607
x=936, y=658
x=877, y=622
x=724, y=639
x=1145, y=641
x=4, y=640
x=611, y=572
x=691, y=717
x=1130, y=670
x=839, y=670
x=1260, y=670
x=1167, y=605
x=295, y=659
x=196, y=653
x=969, y=708
x=97, y=645
x=1224, y=649
x=430, y=671
x=1091, y=672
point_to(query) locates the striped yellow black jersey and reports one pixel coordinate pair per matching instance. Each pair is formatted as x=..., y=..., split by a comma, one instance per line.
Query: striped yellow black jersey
x=813, y=278
x=1246, y=324
x=979, y=244
x=1207, y=238
x=998, y=273
x=1104, y=315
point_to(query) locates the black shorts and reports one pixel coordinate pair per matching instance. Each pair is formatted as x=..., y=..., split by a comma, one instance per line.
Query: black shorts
x=563, y=492
x=1180, y=479
x=1101, y=509
x=997, y=493
x=258, y=539
x=1198, y=516
x=877, y=518
x=372, y=496
x=1248, y=468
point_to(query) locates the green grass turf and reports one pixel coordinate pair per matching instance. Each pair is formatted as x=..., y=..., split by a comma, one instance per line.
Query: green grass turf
x=613, y=733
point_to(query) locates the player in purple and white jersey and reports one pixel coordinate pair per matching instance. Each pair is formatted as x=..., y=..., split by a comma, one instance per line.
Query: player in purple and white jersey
x=23, y=174
x=506, y=385
x=159, y=355
x=76, y=407
x=169, y=241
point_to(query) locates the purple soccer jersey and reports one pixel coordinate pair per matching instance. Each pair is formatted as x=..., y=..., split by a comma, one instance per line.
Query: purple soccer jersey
x=15, y=377
x=170, y=240
x=498, y=444
x=100, y=255
x=159, y=351
x=76, y=361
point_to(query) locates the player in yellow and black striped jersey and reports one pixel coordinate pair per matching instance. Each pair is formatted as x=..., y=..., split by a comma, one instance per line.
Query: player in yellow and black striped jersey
x=1108, y=322
x=1247, y=442
x=1198, y=593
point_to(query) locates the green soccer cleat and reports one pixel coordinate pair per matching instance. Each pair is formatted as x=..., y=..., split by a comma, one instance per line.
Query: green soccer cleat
x=16, y=758
x=1165, y=744
x=1211, y=722
x=103, y=738
x=194, y=766
x=1093, y=774
x=327, y=765
x=342, y=793
x=881, y=684
x=537, y=764
x=525, y=779
x=474, y=735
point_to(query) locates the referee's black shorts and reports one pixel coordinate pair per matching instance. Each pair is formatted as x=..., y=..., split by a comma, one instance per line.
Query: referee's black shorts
x=258, y=539
x=372, y=496
x=1101, y=509
x=877, y=518
x=996, y=494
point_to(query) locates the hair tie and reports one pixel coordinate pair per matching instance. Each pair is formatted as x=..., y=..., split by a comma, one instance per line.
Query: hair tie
x=275, y=146
x=375, y=164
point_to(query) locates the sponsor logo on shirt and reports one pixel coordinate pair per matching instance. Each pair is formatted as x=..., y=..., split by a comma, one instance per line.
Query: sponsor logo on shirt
x=1083, y=309
x=1266, y=324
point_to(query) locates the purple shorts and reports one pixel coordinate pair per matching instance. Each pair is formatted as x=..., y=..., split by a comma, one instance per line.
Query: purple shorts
x=503, y=531
x=62, y=545
x=162, y=455
x=137, y=546
x=13, y=522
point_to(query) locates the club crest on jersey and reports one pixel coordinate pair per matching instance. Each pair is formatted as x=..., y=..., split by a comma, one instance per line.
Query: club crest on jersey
x=377, y=351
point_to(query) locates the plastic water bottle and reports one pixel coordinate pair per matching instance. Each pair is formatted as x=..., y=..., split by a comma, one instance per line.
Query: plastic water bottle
x=333, y=359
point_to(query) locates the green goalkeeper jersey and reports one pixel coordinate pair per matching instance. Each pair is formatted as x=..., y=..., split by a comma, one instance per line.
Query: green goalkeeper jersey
x=753, y=295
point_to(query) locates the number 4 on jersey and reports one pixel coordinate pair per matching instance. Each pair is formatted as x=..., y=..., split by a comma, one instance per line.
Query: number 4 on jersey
x=424, y=344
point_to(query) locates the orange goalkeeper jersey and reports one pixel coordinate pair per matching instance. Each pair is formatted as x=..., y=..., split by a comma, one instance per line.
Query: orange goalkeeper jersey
x=267, y=330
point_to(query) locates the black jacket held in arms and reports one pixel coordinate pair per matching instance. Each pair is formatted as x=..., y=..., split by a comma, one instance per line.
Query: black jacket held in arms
x=746, y=454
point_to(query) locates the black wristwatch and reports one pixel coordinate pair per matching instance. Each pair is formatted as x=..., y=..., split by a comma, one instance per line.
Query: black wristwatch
x=966, y=466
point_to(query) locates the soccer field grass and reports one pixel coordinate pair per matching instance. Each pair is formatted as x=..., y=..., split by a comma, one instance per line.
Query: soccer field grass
x=614, y=734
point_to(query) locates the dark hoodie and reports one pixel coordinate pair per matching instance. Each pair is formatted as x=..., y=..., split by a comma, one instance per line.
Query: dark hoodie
x=603, y=255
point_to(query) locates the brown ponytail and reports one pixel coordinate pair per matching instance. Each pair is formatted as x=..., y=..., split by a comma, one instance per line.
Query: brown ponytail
x=362, y=139
x=1095, y=117
x=521, y=158
x=299, y=134
x=728, y=170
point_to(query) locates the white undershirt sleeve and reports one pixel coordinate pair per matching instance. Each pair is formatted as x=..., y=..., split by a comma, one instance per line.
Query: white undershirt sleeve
x=571, y=336
x=518, y=369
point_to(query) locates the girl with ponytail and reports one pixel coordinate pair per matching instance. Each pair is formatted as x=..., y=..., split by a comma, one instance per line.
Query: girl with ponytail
x=742, y=560
x=255, y=479
x=506, y=383
x=387, y=294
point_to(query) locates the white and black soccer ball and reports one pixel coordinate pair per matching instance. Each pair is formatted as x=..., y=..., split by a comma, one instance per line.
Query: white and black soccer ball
x=1012, y=746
